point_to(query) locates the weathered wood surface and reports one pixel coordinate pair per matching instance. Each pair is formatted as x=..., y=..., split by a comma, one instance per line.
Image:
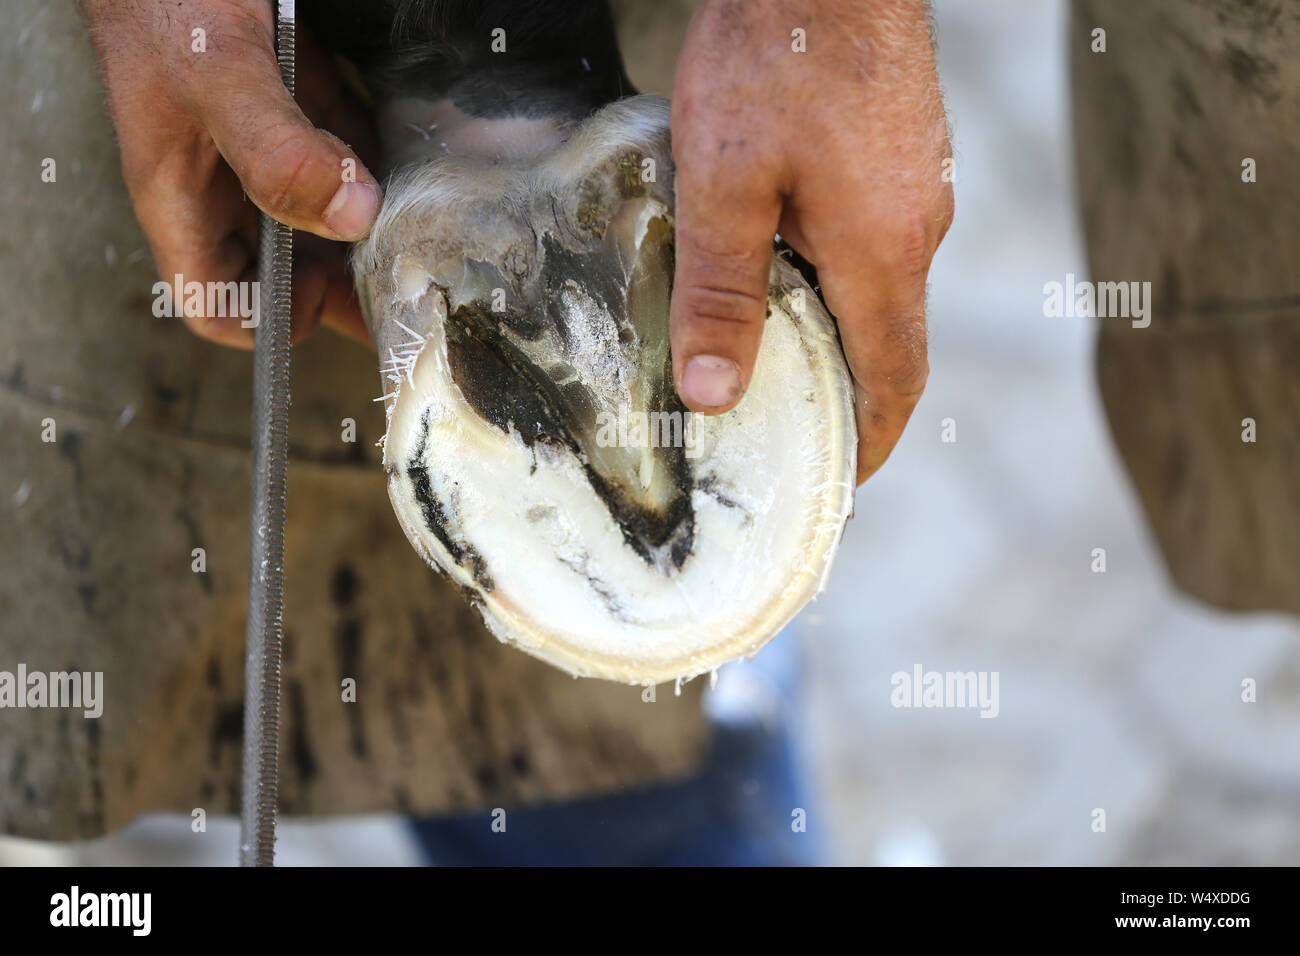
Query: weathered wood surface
x=151, y=461
x=1162, y=122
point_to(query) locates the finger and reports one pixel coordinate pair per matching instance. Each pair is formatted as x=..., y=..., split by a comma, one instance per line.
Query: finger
x=292, y=171
x=728, y=204
x=328, y=102
x=189, y=207
x=322, y=285
x=322, y=291
x=231, y=261
x=879, y=305
x=886, y=399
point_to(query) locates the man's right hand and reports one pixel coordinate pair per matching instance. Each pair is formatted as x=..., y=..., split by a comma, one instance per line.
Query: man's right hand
x=204, y=121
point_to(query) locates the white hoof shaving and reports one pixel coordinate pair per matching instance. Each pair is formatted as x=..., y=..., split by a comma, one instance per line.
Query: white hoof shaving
x=536, y=450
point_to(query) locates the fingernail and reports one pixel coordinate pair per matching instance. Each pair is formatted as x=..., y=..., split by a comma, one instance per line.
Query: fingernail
x=711, y=381
x=352, y=211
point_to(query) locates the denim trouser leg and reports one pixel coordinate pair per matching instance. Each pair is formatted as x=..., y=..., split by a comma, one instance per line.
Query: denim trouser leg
x=741, y=808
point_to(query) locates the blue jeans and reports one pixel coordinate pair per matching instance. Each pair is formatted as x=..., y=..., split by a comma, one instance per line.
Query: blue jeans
x=742, y=808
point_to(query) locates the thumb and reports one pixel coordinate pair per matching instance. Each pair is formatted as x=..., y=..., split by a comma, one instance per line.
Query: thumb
x=726, y=219
x=292, y=171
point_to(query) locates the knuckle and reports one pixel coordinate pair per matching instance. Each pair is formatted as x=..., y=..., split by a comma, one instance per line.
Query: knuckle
x=714, y=257
x=904, y=366
x=707, y=158
x=241, y=33
x=717, y=265
x=905, y=246
x=909, y=383
x=720, y=303
x=713, y=153
x=277, y=178
x=908, y=374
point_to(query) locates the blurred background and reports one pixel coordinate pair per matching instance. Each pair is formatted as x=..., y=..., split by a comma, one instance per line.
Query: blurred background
x=976, y=555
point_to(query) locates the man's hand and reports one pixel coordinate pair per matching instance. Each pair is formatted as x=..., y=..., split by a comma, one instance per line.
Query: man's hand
x=840, y=149
x=200, y=128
